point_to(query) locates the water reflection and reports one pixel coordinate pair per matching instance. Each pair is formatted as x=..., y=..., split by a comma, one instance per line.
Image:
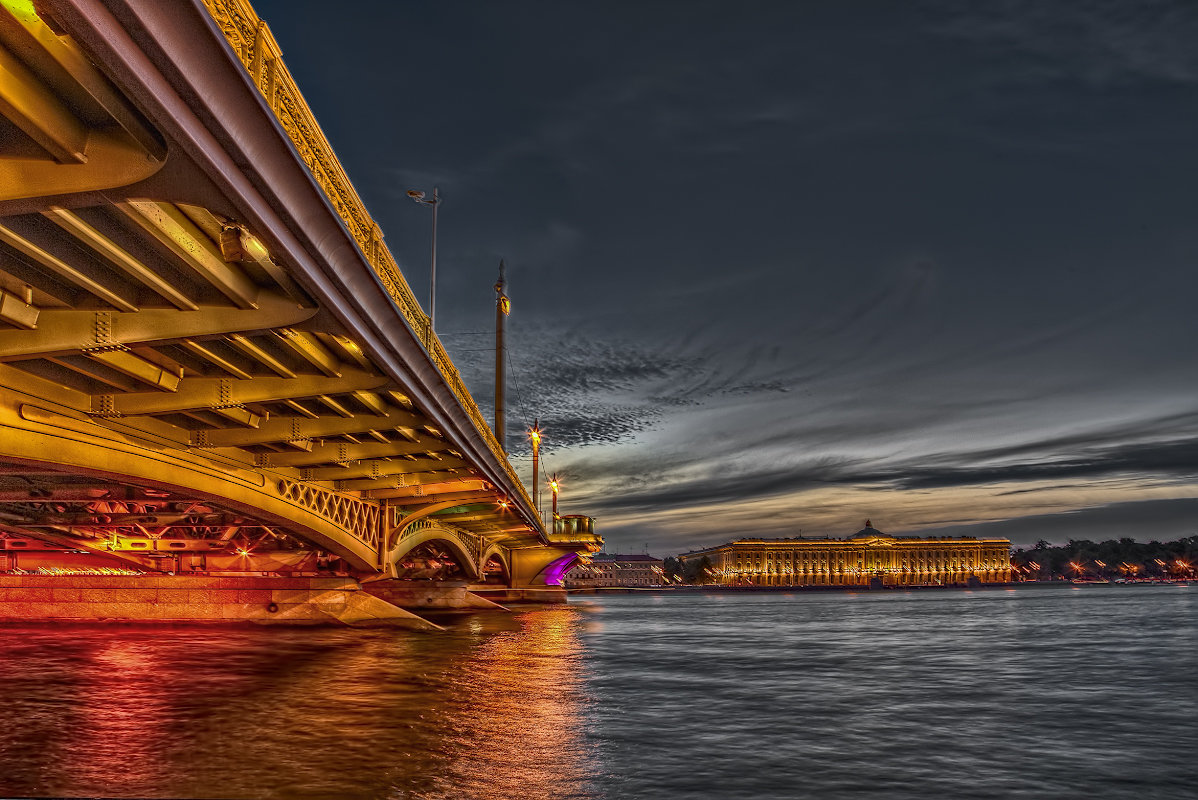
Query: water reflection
x=1025, y=693
x=490, y=709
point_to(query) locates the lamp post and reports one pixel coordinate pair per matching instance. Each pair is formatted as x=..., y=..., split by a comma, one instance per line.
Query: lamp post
x=553, y=485
x=419, y=197
x=503, y=307
x=534, y=434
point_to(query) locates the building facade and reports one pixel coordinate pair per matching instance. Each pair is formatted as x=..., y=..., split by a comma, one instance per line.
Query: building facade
x=614, y=570
x=868, y=557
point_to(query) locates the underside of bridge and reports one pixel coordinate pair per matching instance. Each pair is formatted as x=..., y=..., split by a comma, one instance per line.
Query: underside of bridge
x=209, y=361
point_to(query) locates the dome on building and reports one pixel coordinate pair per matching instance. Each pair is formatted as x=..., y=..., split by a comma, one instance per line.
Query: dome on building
x=870, y=532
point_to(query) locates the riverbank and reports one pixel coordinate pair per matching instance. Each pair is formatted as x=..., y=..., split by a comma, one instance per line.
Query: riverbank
x=714, y=588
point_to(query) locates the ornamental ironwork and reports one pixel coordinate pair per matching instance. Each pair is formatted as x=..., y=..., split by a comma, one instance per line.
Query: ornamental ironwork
x=357, y=517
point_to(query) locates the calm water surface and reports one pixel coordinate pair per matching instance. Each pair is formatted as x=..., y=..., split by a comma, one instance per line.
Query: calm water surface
x=1034, y=692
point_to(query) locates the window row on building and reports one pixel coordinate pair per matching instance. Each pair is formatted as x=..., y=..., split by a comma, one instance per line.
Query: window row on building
x=613, y=570
x=868, y=557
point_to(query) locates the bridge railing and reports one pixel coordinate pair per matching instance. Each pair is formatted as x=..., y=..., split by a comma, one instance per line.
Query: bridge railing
x=257, y=49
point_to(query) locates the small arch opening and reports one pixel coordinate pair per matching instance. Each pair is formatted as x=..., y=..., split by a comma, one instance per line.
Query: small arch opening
x=494, y=572
x=430, y=561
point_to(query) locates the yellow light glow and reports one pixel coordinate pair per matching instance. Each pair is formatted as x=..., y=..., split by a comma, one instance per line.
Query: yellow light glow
x=77, y=571
x=254, y=248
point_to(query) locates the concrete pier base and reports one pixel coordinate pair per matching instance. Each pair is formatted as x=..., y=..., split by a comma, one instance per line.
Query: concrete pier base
x=198, y=599
x=539, y=594
x=432, y=595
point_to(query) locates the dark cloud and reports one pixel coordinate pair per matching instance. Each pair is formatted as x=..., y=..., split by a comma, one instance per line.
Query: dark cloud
x=662, y=492
x=1103, y=42
x=1162, y=520
x=581, y=391
x=1177, y=460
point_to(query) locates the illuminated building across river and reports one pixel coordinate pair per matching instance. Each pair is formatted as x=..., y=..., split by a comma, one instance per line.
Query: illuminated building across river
x=868, y=557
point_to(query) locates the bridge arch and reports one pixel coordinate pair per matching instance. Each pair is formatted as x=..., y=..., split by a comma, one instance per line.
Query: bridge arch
x=50, y=441
x=428, y=532
x=496, y=554
x=554, y=572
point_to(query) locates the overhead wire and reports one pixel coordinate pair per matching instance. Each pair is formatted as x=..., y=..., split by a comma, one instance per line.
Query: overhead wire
x=524, y=410
x=515, y=380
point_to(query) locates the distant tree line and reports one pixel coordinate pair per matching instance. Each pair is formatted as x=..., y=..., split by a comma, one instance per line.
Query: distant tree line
x=1112, y=559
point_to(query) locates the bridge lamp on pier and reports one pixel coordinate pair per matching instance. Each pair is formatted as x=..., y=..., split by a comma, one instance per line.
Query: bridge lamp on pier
x=534, y=436
x=420, y=198
x=555, y=487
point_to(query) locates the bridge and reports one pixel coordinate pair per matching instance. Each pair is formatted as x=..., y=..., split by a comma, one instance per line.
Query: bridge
x=211, y=367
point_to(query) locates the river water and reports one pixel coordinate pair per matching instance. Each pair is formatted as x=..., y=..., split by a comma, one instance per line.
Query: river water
x=1028, y=692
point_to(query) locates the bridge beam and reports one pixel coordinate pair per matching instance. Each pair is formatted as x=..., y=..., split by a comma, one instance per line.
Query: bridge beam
x=346, y=452
x=379, y=468
x=283, y=429
x=60, y=332
x=201, y=393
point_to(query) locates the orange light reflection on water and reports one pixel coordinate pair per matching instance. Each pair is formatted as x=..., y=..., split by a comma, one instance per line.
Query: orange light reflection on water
x=120, y=717
x=517, y=724
x=490, y=709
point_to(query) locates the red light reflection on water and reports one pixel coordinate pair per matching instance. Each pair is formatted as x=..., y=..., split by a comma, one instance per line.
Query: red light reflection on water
x=490, y=709
x=121, y=716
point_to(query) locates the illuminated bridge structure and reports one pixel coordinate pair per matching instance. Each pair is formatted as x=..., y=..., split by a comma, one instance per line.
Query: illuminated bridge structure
x=210, y=364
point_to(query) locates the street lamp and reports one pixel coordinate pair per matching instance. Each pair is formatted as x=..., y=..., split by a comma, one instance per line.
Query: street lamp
x=534, y=433
x=419, y=197
x=555, y=488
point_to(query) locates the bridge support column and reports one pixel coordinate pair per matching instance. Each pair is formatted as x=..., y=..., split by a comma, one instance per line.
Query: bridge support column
x=536, y=576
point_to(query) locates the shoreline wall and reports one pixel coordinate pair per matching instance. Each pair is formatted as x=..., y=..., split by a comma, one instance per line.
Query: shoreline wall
x=198, y=599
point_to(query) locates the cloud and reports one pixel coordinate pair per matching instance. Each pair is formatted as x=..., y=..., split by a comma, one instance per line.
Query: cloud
x=1176, y=459
x=1103, y=42
x=1168, y=461
x=1162, y=520
x=766, y=485
x=587, y=391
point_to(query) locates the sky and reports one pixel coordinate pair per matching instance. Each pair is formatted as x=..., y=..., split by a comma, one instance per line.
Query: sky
x=780, y=267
